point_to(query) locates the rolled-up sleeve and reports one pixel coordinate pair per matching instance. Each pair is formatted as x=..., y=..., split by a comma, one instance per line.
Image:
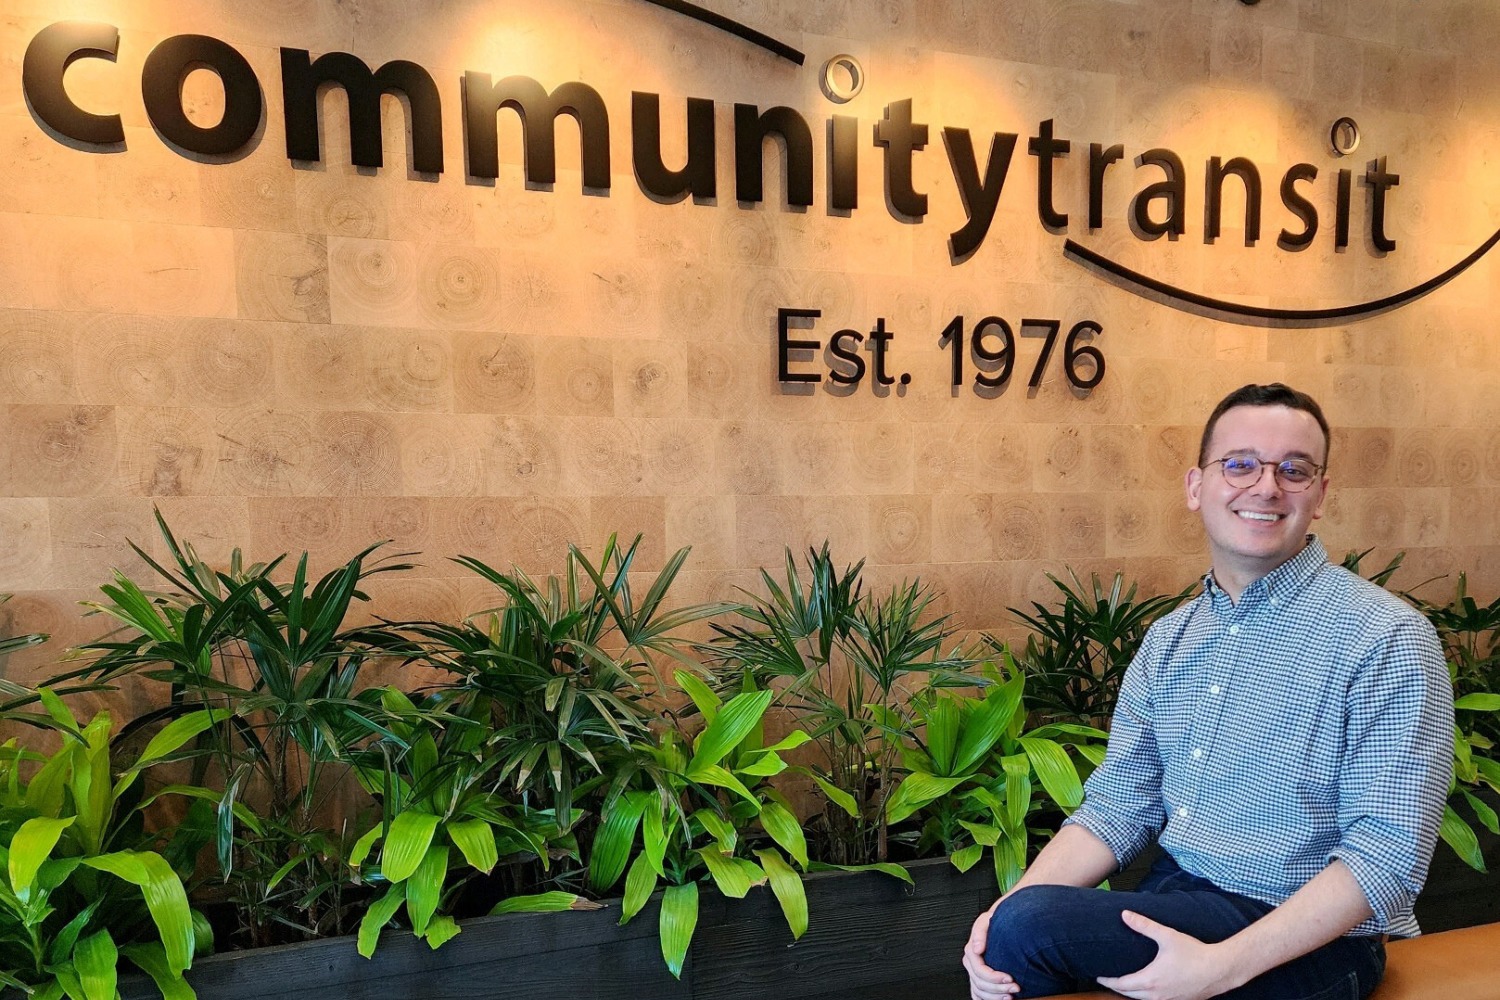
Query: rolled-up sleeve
x=1398, y=762
x=1122, y=803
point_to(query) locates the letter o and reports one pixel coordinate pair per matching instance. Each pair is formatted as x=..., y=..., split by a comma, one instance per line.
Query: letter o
x=161, y=88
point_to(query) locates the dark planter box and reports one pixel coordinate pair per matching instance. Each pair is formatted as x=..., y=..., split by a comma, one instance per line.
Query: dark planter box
x=871, y=938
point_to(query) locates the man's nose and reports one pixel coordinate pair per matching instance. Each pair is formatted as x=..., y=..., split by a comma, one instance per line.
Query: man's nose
x=1266, y=482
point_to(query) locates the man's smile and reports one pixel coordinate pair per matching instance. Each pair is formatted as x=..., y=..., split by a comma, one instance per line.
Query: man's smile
x=1259, y=515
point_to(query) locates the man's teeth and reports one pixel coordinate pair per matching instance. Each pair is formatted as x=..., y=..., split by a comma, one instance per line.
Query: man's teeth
x=1257, y=515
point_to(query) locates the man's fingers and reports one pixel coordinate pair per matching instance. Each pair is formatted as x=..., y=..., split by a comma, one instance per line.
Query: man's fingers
x=1122, y=987
x=1132, y=985
x=1160, y=933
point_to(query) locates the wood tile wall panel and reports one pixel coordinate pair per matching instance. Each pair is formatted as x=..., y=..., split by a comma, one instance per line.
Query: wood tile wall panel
x=314, y=356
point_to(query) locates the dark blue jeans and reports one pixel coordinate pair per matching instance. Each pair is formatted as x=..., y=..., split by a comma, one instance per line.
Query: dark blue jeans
x=1059, y=939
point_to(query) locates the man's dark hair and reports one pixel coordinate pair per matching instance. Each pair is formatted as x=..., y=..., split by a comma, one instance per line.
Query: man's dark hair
x=1274, y=394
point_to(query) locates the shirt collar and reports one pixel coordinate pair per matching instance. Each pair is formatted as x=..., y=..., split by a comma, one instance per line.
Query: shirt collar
x=1279, y=584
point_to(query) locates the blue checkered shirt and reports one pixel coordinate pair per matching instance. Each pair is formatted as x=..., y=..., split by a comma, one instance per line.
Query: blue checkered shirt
x=1311, y=720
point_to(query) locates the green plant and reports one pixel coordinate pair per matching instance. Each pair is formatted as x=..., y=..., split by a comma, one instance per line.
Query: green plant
x=13, y=643
x=845, y=664
x=278, y=662
x=694, y=815
x=78, y=889
x=1078, y=650
x=1353, y=562
x=564, y=669
x=1470, y=634
x=973, y=774
x=437, y=788
x=1472, y=769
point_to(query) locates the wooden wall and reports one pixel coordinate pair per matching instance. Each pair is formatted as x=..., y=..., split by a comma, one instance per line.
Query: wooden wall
x=312, y=356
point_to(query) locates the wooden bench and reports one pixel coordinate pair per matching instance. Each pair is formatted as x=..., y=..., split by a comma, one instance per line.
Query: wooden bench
x=1453, y=965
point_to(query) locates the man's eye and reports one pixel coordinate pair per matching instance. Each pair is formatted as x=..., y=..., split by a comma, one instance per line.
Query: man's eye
x=1295, y=473
x=1240, y=465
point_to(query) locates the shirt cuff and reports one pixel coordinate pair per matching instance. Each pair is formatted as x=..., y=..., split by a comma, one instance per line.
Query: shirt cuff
x=1387, y=895
x=1124, y=841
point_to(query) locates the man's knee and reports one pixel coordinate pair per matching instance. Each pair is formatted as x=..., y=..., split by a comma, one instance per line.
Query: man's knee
x=1028, y=921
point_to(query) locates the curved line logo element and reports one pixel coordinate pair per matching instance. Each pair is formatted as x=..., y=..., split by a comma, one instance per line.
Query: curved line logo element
x=1248, y=315
x=734, y=27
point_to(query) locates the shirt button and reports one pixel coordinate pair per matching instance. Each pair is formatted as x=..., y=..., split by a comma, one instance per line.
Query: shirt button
x=1181, y=811
x=1197, y=753
x=1214, y=689
x=1234, y=630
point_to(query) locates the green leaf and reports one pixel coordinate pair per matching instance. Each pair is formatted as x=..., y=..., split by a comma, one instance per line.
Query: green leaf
x=1479, y=702
x=1489, y=771
x=179, y=731
x=424, y=889
x=1055, y=729
x=733, y=723
x=440, y=931
x=987, y=724
x=917, y=790
x=543, y=902
x=966, y=857
x=718, y=828
x=612, y=841
x=679, y=918
x=787, y=885
x=166, y=900
x=63, y=942
x=1007, y=870
x=29, y=847
x=835, y=794
x=983, y=834
x=171, y=738
x=655, y=834
x=57, y=710
x=67, y=979
x=95, y=959
x=1017, y=769
x=942, y=732
x=884, y=867
x=1092, y=752
x=377, y=916
x=361, y=848
x=781, y=823
x=406, y=844
x=1460, y=836
x=1056, y=771
x=45, y=791
x=89, y=781
x=152, y=960
x=713, y=774
x=765, y=765
x=708, y=703
x=1484, y=812
x=790, y=741
x=640, y=883
x=476, y=840
x=732, y=880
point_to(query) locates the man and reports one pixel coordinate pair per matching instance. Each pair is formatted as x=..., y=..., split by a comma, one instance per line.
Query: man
x=1287, y=736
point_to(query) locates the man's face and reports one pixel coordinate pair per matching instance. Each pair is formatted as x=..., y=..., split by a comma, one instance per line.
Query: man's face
x=1253, y=529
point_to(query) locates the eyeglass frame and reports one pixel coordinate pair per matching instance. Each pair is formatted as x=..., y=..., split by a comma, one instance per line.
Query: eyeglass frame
x=1276, y=472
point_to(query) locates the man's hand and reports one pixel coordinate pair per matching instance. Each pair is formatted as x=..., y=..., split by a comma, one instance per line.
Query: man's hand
x=1184, y=967
x=985, y=983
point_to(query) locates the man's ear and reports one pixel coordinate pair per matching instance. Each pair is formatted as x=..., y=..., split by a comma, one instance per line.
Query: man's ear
x=1194, y=485
x=1322, y=498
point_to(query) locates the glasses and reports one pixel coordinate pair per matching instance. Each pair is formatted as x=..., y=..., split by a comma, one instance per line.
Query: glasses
x=1293, y=475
